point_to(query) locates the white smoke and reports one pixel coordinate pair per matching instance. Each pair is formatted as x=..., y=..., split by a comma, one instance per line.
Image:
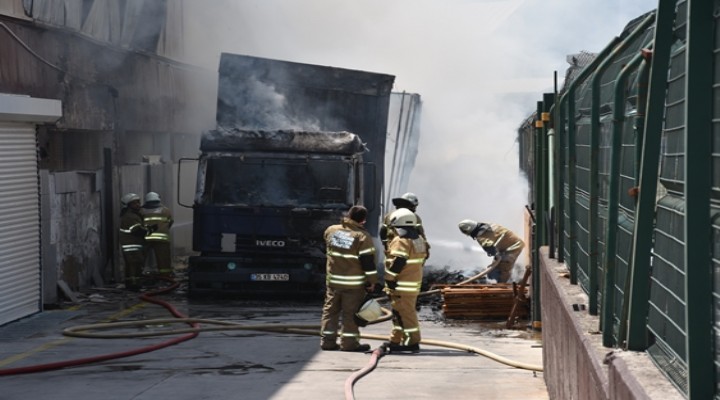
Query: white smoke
x=480, y=67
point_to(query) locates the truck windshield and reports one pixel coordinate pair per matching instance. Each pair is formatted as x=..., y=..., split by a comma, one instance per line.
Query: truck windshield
x=278, y=183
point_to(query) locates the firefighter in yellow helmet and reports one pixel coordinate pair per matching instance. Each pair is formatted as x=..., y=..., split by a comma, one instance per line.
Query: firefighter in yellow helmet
x=403, y=277
x=158, y=216
x=498, y=242
x=132, y=240
x=351, y=273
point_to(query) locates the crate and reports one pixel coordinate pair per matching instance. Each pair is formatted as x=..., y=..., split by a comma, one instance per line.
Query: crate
x=480, y=301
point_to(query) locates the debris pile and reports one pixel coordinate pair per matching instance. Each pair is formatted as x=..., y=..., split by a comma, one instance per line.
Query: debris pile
x=433, y=278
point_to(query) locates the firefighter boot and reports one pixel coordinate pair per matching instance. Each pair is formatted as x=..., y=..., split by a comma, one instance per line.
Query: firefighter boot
x=398, y=348
x=360, y=348
x=329, y=346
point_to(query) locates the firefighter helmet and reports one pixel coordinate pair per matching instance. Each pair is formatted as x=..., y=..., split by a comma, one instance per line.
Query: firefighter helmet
x=402, y=217
x=152, y=196
x=467, y=226
x=368, y=311
x=473, y=228
x=129, y=198
x=408, y=200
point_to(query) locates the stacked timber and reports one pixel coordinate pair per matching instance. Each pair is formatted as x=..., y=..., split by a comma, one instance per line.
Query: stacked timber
x=481, y=301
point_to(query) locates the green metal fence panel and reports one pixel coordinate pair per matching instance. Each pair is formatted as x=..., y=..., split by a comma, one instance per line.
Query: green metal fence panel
x=626, y=227
x=582, y=240
x=716, y=287
x=698, y=161
x=666, y=317
x=666, y=320
x=715, y=197
x=592, y=177
x=648, y=295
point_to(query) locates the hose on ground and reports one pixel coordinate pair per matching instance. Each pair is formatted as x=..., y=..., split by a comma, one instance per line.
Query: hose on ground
x=310, y=330
x=375, y=357
x=195, y=329
x=105, y=357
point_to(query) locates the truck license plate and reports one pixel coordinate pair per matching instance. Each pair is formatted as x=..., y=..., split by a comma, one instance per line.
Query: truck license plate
x=269, y=277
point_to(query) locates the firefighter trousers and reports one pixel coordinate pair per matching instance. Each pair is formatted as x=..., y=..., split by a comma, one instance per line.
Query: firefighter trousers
x=134, y=264
x=341, y=304
x=406, y=328
x=162, y=256
x=503, y=272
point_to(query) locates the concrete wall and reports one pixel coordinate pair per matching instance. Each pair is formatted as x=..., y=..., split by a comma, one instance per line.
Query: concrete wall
x=576, y=365
x=75, y=227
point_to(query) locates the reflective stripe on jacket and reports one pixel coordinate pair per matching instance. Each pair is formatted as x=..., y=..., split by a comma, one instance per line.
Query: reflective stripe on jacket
x=160, y=216
x=501, y=238
x=414, y=251
x=345, y=243
x=132, y=230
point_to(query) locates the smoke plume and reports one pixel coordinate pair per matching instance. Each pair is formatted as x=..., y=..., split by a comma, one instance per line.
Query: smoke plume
x=480, y=67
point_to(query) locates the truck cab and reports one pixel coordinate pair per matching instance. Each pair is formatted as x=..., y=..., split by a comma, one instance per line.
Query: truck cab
x=263, y=201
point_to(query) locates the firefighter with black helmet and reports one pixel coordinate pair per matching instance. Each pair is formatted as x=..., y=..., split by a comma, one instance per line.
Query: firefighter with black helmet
x=158, y=216
x=351, y=273
x=407, y=253
x=498, y=242
x=132, y=240
x=408, y=200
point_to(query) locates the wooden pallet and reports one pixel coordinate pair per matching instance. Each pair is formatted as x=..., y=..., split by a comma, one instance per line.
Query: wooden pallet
x=479, y=301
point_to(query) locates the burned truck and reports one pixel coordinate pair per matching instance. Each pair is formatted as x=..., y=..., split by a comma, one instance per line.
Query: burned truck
x=295, y=146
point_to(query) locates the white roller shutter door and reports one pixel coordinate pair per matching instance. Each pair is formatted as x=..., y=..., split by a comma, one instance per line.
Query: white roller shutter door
x=19, y=223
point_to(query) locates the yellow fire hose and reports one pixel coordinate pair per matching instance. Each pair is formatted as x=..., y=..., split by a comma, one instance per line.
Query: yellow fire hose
x=84, y=331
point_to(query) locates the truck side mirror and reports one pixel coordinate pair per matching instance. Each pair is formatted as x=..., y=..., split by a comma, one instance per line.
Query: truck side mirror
x=186, y=181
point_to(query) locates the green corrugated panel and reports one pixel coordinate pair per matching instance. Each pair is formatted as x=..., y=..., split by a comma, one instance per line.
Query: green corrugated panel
x=666, y=319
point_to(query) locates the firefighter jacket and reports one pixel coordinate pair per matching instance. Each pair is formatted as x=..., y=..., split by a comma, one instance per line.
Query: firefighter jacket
x=351, y=256
x=407, y=254
x=501, y=238
x=387, y=233
x=156, y=215
x=132, y=231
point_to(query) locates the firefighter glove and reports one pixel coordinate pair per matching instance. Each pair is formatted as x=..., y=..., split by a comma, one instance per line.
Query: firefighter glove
x=490, y=250
x=378, y=292
x=369, y=287
x=391, y=284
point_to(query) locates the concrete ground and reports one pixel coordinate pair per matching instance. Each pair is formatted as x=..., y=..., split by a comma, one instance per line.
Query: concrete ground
x=242, y=364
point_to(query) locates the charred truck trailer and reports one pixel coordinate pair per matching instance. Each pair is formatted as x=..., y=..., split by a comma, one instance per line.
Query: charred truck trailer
x=295, y=146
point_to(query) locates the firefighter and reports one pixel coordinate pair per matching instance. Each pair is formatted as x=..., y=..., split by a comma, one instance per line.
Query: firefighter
x=132, y=240
x=403, y=278
x=498, y=242
x=158, y=216
x=409, y=201
x=351, y=273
